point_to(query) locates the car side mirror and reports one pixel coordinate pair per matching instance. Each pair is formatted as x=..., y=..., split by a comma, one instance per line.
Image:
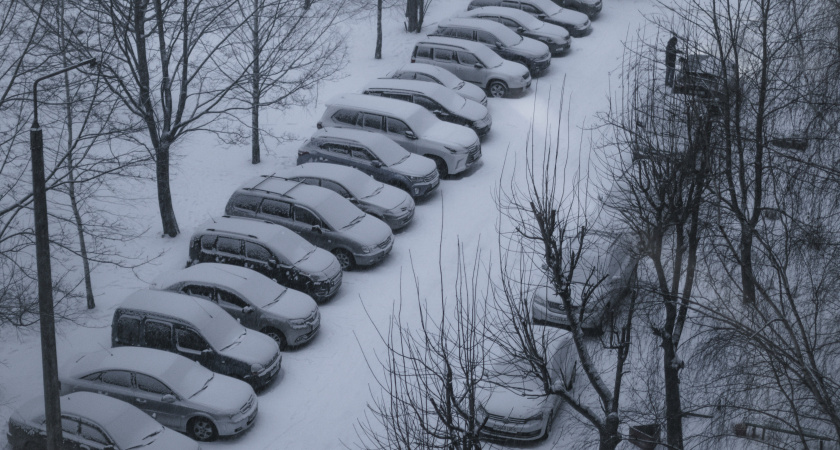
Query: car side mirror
x=498, y=44
x=410, y=134
x=520, y=30
x=316, y=229
x=478, y=65
x=273, y=262
x=247, y=309
x=168, y=398
x=540, y=16
x=377, y=163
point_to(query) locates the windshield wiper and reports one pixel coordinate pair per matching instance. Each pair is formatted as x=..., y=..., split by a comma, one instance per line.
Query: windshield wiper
x=276, y=299
x=378, y=190
x=206, y=383
x=306, y=255
x=235, y=341
x=355, y=221
x=147, y=437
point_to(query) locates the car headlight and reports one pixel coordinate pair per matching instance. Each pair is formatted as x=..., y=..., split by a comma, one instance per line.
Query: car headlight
x=547, y=40
x=257, y=368
x=366, y=249
x=453, y=151
x=584, y=26
x=415, y=179
x=537, y=416
x=297, y=323
x=316, y=277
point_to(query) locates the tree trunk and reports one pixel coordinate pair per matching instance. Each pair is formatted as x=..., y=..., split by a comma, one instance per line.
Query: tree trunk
x=609, y=436
x=378, y=53
x=746, y=264
x=167, y=212
x=673, y=405
x=411, y=13
x=307, y=4
x=255, y=86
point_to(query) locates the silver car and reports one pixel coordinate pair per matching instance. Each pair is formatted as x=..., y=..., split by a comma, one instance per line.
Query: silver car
x=389, y=204
x=556, y=38
x=178, y=392
x=94, y=422
x=443, y=77
x=288, y=316
x=577, y=23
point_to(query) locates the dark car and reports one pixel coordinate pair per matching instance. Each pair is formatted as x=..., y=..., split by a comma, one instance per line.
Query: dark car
x=506, y=43
x=577, y=23
x=555, y=37
x=589, y=7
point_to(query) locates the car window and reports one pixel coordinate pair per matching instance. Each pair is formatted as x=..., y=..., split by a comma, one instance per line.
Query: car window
x=360, y=153
x=467, y=59
x=427, y=103
x=256, y=251
x=275, y=208
x=335, y=187
x=92, y=377
x=94, y=434
x=463, y=33
x=334, y=148
x=246, y=202
x=128, y=329
x=157, y=335
x=151, y=385
x=397, y=126
x=424, y=77
x=423, y=51
x=486, y=37
x=200, y=291
x=510, y=4
x=394, y=95
x=530, y=9
x=117, y=378
x=229, y=245
x=69, y=425
x=208, y=241
x=442, y=54
x=372, y=121
x=306, y=216
x=508, y=22
x=345, y=116
x=231, y=300
x=190, y=340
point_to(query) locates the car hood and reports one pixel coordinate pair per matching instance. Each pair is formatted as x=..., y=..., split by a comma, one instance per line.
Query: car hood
x=472, y=92
x=293, y=304
x=252, y=348
x=223, y=394
x=320, y=262
x=473, y=111
x=448, y=134
x=512, y=69
x=370, y=231
x=506, y=403
x=530, y=47
x=555, y=32
x=573, y=18
x=415, y=166
x=388, y=198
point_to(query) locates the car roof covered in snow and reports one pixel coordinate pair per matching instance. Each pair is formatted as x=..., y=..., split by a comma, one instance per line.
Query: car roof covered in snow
x=369, y=139
x=389, y=106
x=502, y=11
x=343, y=175
x=496, y=28
x=433, y=90
x=429, y=69
x=312, y=196
x=165, y=366
x=241, y=279
x=480, y=50
x=266, y=232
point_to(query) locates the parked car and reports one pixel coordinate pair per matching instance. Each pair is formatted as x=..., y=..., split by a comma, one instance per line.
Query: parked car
x=506, y=43
x=177, y=392
x=617, y=263
x=703, y=76
x=286, y=315
x=375, y=155
x=271, y=249
x=443, y=77
x=387, y=203
x=94, y=422
x=589, y=7
x=475, y=63
x=452, y=147
x=437, y=99
x=319, y=215
x=556, y=38
x=577, y=23
x=515, y=405
x=198, y=330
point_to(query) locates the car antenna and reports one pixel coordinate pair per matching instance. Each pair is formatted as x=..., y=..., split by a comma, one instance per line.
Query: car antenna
x=200, y=305
x=104, y=348
x=211, y=218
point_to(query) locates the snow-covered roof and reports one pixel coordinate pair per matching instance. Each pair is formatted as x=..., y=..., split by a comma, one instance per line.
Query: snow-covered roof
x=478, y=49
x=389, y=106
x=309, y=195
x=369, y=139
x=344, y=175
x=499, y=30
x=516, y=14
x=237, y=278
x=433, y=90
x=266, y=232
x=437, y=72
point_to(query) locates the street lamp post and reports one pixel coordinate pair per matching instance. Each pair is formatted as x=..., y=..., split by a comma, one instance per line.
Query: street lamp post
x=49, y=360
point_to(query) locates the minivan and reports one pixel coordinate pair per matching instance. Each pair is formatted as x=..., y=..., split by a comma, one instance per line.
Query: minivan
x=317, y=214
x=577, y=23
x=453, y=148
x=375, y=155
x=437, y=99
x=473, y=62
x=506, y=43
x=271, y=249
x=556, y=38
x=198, y=330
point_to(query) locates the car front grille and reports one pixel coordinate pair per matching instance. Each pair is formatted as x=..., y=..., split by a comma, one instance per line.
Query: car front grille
x=526, y=76
x=555, y=307
x=475, y=153
x=248, y=404
x=544, y=58
x=430, y=177
x=385, y=243
x=502, y=419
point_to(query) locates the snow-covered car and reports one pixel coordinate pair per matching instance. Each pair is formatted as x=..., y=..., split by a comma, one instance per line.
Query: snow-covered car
x=616, y=265
x=319, y=215
x=516, y=406
x=443, y=77
x=273, y=250
x=375, y=155
x=577, y=23
x=475, y=63
x=198, y=330
x=391, y=205
x=589, y=7
x=506, y=43
x=556, y=38
x=437, y=99
x=179, y=393
x=453, y=148
x=286, y=315
x=94, y=422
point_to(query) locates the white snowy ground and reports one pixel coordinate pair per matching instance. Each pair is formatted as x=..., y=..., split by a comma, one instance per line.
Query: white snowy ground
x=325, y=385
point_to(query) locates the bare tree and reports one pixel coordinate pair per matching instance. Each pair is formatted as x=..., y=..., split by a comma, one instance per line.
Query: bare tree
x=415, y=12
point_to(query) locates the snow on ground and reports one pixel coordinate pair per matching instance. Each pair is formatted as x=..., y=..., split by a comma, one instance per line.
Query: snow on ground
x=325, y=385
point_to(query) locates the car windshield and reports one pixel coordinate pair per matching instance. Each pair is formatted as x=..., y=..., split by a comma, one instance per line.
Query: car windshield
x=390, y=153
x=364, y=186
x=452, y=102
x=448, y=79
x=509, y=39
x=530, y=22
x=293, y=247
x=488, y=57
x=207, y=378
x=131, y=428
x=547, y=7
x=186, y=377
x=339, y=213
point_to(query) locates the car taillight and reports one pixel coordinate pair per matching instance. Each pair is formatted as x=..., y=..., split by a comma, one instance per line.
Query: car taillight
x=412, y=59
x=319, y=125
x=301, y=153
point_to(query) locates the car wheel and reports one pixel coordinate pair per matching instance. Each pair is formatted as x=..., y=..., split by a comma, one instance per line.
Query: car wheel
x=497, y=89
x=202, y=429
x=443, y=170
x=344, y=258
x=277, y=335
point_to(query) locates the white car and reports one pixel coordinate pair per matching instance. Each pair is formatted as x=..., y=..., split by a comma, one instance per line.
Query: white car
x=443, y=77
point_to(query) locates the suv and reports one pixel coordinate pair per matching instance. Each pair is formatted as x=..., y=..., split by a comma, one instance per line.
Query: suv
x=443, y=77
x=576, y=23
x=375, y=155
x=589, y=7
x=273, y=250
x=196, y=329
x=288, y=316
x=387, y=203
x=556, y=38
x=452, y=147
x=437, y=99
x=506, y=43
x=319, y=215
x=475, y=63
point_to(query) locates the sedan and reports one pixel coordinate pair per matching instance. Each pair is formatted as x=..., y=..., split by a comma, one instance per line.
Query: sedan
x=176, y=391
x=577, y=23
x=94, y=422
x=443, y=77
x=556, y=38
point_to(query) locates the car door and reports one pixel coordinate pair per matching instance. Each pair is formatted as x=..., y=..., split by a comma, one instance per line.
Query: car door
x=490, y=40
x=433, y=107
x=238, y=308
x=149, y=396
x=92, y=436
x=335, y=153
x=158, y=335
x=207, y=248
x=229, y=251
x=70, y=428
x=276, y=211
x=310, y=226
x=193, y=346
x=117, y=384
x=396, y=130
x=472, y=73
x=362, y=160
x=244, y=205
x=445, y=58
